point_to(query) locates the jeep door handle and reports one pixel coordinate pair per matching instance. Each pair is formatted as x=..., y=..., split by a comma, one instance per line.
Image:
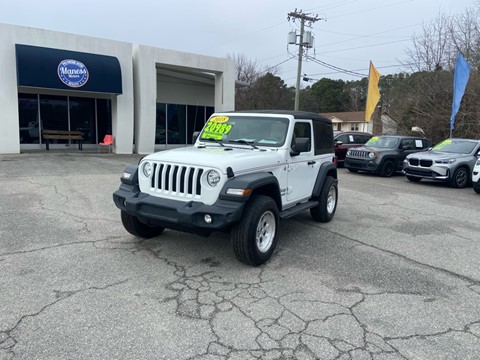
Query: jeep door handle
x=311, y=162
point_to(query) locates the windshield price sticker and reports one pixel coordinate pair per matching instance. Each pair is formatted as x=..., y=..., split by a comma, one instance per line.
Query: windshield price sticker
x=216, y=128
x=373, y=139
x=443, y=144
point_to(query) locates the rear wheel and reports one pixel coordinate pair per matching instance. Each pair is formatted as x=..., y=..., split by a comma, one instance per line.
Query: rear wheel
x=460, y=178
x=414, y=178
x=388, y=168
x=254, y=238
x=137, y=228
x=325, y=210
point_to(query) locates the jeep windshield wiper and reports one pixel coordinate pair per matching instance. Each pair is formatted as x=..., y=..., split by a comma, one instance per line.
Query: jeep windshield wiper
x=241, y=141
x=215, y=140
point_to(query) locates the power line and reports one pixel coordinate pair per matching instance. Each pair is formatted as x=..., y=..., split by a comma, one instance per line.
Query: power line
x=333, y=67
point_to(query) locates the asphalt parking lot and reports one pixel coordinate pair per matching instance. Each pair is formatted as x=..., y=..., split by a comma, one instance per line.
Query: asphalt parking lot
x=395, y=274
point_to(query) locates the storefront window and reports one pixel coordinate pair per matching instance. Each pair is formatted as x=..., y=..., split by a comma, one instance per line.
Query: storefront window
x=54, y=114
x=176, y=124
x=28, y=114
x=82, y=118
x=104, y=118
x=161, y=131
x=63, y=113
x=196, y=120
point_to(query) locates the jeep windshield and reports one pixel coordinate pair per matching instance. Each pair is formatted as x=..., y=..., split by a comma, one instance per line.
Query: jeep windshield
x=455, y=146
x=382, y=142
x=245, y=130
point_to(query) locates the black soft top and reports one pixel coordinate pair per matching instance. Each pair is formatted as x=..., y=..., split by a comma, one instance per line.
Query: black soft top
x=295, y=114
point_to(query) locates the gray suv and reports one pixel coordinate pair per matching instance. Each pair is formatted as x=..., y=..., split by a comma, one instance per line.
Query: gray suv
x=450, y=161
x=384, y=155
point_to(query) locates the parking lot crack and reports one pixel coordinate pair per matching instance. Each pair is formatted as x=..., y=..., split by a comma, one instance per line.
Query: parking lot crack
x=464, y=278
x=59, y=296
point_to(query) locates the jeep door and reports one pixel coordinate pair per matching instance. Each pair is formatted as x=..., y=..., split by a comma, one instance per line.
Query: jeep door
x=302, y=168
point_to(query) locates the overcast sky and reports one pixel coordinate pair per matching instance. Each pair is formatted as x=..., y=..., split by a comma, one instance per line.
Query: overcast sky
x=354, y=32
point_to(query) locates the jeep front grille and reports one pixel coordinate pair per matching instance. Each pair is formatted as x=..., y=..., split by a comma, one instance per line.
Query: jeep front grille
x=177, y=179
x=358, y=153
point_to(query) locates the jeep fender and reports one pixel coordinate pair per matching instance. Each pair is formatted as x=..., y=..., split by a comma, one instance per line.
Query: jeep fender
x=326, y=169
x=261, y=183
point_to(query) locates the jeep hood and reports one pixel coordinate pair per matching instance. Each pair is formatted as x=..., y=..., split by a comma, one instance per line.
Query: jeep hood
x=239, y=159
x=370, y=148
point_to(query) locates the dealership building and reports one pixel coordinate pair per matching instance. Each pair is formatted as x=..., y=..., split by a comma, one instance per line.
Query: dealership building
x=148, y=98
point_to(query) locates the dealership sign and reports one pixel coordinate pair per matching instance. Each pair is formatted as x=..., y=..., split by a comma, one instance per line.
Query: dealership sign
x=72, y=73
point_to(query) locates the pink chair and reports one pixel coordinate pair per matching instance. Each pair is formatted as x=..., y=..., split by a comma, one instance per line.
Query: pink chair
x=107, y=141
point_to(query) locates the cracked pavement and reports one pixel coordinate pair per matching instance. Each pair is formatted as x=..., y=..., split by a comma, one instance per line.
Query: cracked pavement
x=395, y=275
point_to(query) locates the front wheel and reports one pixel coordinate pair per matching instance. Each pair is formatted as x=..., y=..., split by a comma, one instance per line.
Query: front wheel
x=476, y=187
x=137, y=228
x=325, y=210
x=388, y=168
x=254, y=238
x=460, y=178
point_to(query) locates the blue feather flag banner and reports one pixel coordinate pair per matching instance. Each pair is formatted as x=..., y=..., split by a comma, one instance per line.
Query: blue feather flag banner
x=460, y=80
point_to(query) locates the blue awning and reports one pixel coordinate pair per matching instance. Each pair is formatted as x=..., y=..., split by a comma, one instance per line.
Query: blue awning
x=42, y=67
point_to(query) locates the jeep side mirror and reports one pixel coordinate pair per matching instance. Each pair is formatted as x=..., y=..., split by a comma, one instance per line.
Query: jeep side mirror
x=300, y=145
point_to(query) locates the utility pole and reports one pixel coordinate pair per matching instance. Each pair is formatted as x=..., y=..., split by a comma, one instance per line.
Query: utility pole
x=301, y=43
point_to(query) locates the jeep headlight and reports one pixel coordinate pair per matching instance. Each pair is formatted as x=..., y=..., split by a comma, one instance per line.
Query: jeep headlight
x=147, y=169
x=446, y=161
x=371, y=155
x=213, y=178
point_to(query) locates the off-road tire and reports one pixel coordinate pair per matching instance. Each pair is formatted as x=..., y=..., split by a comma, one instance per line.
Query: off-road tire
x=388, y=168
x=414, y=178
x=260, y=222
x=137, y=228
x=476, y=187
x=460, y=178
x=325, y=210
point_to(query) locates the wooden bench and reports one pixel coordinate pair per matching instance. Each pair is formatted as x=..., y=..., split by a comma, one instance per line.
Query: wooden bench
x=63, y=135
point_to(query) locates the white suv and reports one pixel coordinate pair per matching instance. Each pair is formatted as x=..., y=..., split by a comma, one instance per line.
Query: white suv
x=476, y=177
x=245, y=173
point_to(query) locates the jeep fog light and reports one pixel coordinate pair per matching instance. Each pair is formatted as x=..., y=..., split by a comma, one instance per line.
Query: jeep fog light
x=213, y=178
x=147, y=169
x=126, y=175
x=208, y=219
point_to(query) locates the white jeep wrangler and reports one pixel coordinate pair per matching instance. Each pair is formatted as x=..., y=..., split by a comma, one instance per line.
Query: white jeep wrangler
x=245, y=173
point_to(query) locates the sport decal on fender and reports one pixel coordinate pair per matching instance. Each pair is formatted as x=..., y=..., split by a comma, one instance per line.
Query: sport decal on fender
x=72, y=73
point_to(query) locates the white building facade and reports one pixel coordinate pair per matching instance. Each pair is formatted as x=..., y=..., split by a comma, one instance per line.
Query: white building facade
x=147, y=98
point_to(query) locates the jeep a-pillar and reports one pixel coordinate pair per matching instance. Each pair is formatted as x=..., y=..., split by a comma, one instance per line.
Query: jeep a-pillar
x=245, y=173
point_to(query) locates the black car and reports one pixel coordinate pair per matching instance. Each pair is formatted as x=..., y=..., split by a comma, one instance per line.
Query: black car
x=384, y=155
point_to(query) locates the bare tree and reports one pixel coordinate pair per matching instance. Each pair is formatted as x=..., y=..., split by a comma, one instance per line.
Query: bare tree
x=432, y=49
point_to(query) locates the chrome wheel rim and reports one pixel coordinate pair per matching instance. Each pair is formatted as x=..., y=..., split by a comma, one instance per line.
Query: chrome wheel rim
x=331, y=199
x=265, y=231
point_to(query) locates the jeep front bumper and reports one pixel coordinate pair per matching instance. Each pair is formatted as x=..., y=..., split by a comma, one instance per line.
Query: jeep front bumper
x=360, y=164
x=178, y=215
